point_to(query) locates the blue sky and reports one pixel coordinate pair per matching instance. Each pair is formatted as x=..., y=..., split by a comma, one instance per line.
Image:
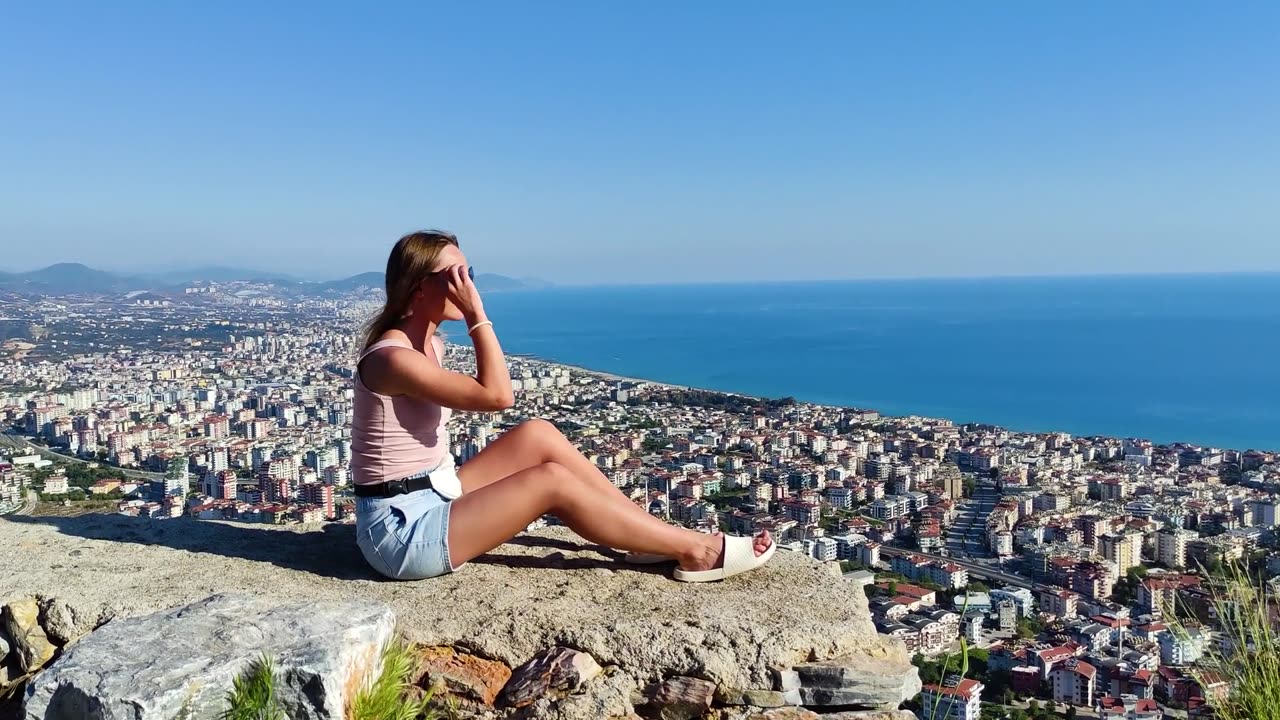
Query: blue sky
x=645, y=142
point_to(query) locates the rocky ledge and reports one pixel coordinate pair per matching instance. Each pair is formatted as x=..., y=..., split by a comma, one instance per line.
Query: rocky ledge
x=546, y=626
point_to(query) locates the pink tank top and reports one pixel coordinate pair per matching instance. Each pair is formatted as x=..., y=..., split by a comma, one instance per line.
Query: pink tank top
x=395, y=436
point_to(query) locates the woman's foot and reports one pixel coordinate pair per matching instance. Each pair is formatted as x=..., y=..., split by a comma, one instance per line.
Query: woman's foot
x=709, y=555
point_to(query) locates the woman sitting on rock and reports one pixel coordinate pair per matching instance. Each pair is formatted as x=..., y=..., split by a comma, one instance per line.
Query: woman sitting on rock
x=416, y=515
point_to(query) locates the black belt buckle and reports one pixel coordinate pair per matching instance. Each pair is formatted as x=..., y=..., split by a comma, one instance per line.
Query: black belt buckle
x=396, y=487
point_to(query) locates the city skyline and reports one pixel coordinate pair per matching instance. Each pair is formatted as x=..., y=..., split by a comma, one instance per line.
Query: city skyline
x=584, y=144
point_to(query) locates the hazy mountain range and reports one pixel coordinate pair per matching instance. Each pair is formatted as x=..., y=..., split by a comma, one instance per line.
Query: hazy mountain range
x=75, y=278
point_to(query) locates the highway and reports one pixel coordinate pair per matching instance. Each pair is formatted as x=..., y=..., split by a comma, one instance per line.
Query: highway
x=974, y=568
x=967, y=536
x=19, y=444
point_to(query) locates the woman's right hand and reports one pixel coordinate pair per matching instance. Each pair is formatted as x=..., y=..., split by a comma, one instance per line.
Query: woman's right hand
x=463, y=294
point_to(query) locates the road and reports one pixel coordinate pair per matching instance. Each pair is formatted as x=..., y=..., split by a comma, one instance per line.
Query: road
x=975, y=568
x=28, y=505
x=967, y=535
x=17, y=443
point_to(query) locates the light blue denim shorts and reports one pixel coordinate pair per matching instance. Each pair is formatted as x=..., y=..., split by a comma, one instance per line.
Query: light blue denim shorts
x=405, y=537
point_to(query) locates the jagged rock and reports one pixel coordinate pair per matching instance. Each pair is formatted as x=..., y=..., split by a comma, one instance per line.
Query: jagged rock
x=858, y=681
x=785, y=714
x=681, y=698
x=540, y=590
x=59, y=621
x=871, y=715
x=803, y=714
x=21, y=620
x=463, y=675
x=606, y=696
x=757, y=698
x=507, y=605
x=184, y=660
x=555, y=670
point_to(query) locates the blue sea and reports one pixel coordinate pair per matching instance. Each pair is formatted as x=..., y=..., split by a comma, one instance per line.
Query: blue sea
x=1169, y=358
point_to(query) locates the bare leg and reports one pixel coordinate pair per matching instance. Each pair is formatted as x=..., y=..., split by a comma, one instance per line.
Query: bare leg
x=530, y=449
x=480, y=521
x=534, y=443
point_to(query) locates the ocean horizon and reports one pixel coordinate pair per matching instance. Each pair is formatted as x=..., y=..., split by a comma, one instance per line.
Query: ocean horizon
x=1171, y=358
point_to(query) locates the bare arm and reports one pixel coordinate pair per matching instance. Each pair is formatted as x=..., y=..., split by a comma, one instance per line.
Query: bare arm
x=411, y=373
x=408, y=372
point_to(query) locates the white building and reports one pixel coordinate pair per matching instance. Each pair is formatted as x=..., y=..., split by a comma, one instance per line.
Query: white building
x=955, y=699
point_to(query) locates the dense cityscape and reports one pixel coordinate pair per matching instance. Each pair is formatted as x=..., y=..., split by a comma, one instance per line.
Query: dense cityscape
x=1075, y=573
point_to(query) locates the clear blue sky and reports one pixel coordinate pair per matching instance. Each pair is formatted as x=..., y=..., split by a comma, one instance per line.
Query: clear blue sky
x=602, y=142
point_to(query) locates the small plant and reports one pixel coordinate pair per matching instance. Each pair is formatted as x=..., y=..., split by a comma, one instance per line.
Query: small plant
x=389, y=697
x=253, y=694
x=1240, y=674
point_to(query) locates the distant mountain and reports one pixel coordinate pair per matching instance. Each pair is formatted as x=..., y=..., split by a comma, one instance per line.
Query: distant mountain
x=65, y=279
x=78, y=279
x=217, y=273
x=486, y=282
x=355, y=282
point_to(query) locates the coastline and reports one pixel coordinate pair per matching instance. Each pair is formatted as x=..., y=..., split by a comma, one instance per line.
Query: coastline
x=614, y=377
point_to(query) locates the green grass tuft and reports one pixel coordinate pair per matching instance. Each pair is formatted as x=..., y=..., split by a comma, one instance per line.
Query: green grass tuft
x=1246, y=654
x=253, y=694
x=389, y=697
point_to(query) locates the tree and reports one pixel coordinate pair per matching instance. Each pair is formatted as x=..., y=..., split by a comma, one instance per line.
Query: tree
x=1051, y=707
x=1071, y=713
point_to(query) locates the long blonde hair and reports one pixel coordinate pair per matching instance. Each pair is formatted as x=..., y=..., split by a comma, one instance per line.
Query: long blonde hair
x=410, y=262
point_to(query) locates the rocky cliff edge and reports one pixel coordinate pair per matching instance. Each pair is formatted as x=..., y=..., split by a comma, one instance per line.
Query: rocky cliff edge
x=791, y=636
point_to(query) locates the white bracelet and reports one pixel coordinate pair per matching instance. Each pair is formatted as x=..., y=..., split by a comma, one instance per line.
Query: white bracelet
x=479, y=325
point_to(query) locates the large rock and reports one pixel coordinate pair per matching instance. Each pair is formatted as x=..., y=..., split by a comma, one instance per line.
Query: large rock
x=554, y=671
x=681, y=698
x=542, y=590
x=462, y=675
x=59, y=621
x=801, y=714
x=182, y=662
x=861, y=681
x=20, y=621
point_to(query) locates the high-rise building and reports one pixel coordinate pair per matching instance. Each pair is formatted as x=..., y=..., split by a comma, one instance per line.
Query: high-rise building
x=225, y=485
x=217, y=427
x=174, y=483
x=1123, y=550
x=320, y=495
x=952, y=481
x=1171, y=547
x=1264, y=512
x=218, y=459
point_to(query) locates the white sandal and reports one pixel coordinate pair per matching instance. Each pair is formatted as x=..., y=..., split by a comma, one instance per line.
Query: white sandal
x=739, y=557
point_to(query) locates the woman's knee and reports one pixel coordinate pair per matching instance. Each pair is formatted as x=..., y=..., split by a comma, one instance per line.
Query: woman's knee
x=554, y=481
x=539, y=428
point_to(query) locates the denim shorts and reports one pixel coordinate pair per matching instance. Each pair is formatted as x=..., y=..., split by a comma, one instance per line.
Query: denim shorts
x=405, y=537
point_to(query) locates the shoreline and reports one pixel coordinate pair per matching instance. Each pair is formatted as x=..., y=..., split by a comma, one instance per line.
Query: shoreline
x=614, y=377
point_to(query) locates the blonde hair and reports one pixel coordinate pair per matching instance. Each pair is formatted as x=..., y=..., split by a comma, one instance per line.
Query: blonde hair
x=410, y=262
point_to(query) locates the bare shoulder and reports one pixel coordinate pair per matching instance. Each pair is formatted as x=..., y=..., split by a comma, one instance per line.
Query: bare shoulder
x=386, y=369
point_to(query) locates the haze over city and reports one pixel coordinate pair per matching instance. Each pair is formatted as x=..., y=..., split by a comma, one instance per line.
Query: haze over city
x=597, y=144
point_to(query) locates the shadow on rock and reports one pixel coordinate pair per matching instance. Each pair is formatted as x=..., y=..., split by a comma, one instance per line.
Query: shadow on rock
x=329, y=552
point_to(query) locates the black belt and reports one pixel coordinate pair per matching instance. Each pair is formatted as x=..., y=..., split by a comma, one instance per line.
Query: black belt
x=391, y=488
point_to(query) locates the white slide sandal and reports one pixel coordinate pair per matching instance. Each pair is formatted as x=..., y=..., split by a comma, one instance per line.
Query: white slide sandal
x=739, y=557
